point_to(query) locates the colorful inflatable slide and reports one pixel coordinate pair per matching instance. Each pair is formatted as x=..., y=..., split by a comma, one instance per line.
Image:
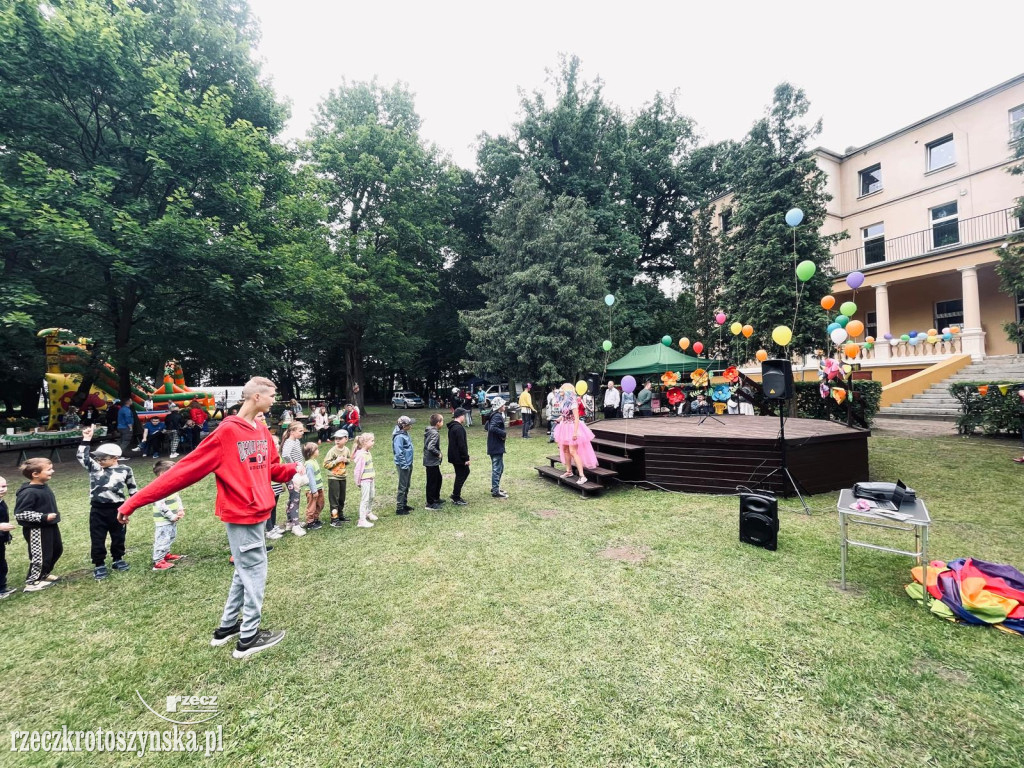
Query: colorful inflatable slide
x=68, y=359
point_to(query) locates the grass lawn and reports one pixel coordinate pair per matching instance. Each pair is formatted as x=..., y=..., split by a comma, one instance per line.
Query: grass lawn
x=542, y=630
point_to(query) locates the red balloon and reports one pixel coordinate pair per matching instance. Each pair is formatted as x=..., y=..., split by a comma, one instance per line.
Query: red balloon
x=698, y=347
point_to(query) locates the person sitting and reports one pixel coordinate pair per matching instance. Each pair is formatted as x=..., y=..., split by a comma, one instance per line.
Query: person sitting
x=352, y=419
x=153, y=437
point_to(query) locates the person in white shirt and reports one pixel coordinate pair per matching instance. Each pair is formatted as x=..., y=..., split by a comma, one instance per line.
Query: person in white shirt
x=611, y=401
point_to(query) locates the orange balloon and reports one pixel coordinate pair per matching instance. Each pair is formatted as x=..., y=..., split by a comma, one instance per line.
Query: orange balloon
x=854, y=328
x=851, y=350
x=868, y=339
x=748, y=331
x=954, y=329
x=932, y=332
x=827, y=302
x=761, y=355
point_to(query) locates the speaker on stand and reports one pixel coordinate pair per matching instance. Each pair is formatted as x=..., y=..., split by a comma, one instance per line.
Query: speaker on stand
x=777, y=384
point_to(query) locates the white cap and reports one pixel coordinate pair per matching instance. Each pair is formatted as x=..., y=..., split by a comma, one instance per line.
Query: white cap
x=497, y=404
x=112, y=450
x=341, y=433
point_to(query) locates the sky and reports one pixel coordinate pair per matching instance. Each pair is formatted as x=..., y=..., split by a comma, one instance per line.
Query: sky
x=868, y=68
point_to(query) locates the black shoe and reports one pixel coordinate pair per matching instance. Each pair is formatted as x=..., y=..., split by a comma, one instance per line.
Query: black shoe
x=247, y=646
x=221, y=635
x=270, y=547
x=120, y=565
x=343, y=519
x=316, y=525
x=408, y=508
x=460, y=502
x=336, y=523
x=401, y=511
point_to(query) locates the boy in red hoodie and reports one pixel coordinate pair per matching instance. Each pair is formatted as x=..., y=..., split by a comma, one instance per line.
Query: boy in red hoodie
x=244, y=459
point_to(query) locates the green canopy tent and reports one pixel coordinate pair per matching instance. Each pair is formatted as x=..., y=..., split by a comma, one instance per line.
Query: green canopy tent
x=656, y=359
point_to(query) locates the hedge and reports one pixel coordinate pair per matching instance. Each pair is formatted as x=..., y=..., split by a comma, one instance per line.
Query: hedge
x=994, y=412
x=811, y=405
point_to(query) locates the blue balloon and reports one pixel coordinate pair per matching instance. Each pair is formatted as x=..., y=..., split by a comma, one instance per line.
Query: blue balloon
x=794, y=216
x=947, y=337
x=913, y=334
x=915, y=340
x=609, y=299
x=831, y=327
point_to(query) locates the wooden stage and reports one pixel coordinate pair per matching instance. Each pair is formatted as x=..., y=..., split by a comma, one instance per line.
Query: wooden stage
x=679, y=453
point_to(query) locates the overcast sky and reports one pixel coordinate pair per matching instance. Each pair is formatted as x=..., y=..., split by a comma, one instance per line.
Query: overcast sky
x=868, y=68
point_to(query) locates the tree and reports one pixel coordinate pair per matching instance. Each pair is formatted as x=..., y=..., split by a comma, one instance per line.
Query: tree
x=705, y=283
x=542, y=319
x=1011, y=255
x=774, y=173
x=135, y=164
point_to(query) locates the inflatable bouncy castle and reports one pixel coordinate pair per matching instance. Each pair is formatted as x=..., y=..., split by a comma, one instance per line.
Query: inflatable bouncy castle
x=68, y=359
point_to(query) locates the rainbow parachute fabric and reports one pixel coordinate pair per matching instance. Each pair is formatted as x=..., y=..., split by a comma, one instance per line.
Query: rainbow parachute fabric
x=974, y=592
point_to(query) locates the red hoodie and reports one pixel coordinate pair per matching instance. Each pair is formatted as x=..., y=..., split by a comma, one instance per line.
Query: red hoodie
x=244, y=459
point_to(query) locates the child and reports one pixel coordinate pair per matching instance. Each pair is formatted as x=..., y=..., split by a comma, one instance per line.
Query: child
x=274, y=531
x=401, y=444
x=336, y=462
x=364, y=477
x=167, y=512
x=110, y=486
x=5, y=538
x=291, y=451
x=432, y=461
x=315, y=492
x=36, y=512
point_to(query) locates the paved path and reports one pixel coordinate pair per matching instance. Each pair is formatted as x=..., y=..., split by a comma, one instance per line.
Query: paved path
x=887, y=427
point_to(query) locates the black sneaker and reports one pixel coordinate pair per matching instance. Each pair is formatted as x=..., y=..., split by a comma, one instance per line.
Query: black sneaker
x=221, y=635
x=316, y=525
x=99, y=572
x=247, y=646
x=270, y=547
x=408, y=508
x=120, y=565
x=6, y=592
x=460, y=502
x=401, y=511
x=336, y=523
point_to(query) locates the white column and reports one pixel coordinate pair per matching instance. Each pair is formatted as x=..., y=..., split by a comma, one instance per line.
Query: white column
x=882, y=347
x=972, y=335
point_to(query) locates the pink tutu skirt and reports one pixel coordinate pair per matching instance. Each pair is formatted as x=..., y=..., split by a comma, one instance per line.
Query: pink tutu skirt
x=563, y=436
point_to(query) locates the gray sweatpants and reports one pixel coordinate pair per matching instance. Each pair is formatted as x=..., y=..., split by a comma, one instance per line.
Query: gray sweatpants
x=245, y=596
x=163, y=538
x=404, y=478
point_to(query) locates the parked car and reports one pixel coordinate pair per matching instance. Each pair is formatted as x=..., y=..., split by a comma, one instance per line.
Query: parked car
x=496, y=390
x=407, y=400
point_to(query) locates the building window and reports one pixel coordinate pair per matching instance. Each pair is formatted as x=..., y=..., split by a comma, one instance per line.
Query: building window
x=871, y=179
x=726, y=217
x=874, y=243
x=941, y=153
x=871, y=323
x=949, y=313
x=945, y=228
x=1017, y=123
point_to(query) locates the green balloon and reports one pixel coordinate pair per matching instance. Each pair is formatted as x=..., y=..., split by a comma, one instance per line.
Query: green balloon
x=869, y=345
x=606, y=345
x=905, y=337
x=842, y=320
x=666, y=340
x=805, y=270
x=848, y=308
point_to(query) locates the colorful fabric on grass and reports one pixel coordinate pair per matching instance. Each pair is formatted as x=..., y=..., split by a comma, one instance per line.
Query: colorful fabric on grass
x=974, y=592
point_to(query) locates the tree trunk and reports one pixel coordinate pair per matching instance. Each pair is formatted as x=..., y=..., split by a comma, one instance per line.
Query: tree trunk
x=354, y=374
x=88, y=378
x=28, y=396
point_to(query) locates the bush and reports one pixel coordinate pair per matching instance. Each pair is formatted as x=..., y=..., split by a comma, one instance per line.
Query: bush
x=994, y=413
x=811, y=405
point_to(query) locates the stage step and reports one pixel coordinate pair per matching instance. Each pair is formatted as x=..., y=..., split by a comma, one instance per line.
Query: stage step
x=602, y=458
x=618, y=445
x=600, y=474
x=570, y=482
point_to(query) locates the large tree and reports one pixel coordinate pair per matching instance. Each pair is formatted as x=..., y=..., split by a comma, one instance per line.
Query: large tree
x=135, y=165
x=543, y=289
x=775, y=172
x=1011, y=255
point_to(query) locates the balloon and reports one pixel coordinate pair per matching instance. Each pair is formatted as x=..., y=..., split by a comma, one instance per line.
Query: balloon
x=915, y=341
x=628, y=383
x=609, y=299
x=720, y=318
x=905, y=337
x=666, y=340
x=606, y=345
x=761, y=355
x=698, y=347
x=842, y=320
x=581, y=387
x=947, y=336
x=932, y=332
x=782, y=335
x=894, y=342
x=855, y=280
x=851, y=350
x=869, y=345
x=793, y=217
x=832, y=326
x=912, y=334
x=855, y=328
x=839, y=335
x=887, y=336
x=736, y=328
x=946, y=329
x=805, y=270
x=869, y=339
x=932, y=339
x=954, y=329
x=748, y=331
x=684, y=343
x=827, y=302
x=848, y=308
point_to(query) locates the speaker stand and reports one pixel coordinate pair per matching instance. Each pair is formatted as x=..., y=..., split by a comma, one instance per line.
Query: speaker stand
x=783, y=466
x=707, y=415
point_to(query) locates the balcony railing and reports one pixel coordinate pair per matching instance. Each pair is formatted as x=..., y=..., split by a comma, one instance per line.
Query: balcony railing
x=944, y=236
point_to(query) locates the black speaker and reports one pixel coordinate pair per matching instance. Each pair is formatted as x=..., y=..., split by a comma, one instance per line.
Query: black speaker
x=759, y=520
x=593, y=383
x=777, y=379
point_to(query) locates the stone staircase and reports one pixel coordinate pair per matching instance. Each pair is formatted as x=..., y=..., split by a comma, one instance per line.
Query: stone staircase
x=936, y=404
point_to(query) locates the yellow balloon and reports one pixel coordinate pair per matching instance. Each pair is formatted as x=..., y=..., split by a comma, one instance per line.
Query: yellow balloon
x=736, y=328
x=782, y=335
x=684, y=343
x=581, y=387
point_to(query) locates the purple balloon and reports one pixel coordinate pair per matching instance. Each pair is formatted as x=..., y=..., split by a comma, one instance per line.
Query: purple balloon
x=628, y=384
x=887, y=336
x=855, y=280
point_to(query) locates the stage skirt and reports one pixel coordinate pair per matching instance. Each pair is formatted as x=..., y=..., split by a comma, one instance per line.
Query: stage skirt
x=563, y=436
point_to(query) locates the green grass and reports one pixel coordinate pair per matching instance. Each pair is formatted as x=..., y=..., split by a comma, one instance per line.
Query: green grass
x=498, y=635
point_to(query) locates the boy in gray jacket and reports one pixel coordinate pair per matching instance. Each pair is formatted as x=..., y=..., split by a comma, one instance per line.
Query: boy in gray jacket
x=432, y=461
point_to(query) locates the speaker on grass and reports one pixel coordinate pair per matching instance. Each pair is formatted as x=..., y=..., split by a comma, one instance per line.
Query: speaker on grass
x=759, y=520
x=777, y=379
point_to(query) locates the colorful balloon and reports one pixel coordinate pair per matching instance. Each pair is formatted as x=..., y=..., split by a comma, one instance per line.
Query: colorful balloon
x=894, y=342
x=793, y=217
x=761, y=355
x=781, y=334
x=581, y=387
x=954, y=329
x=869, y=339
x=946, y=329
x=666, y=340
x=947, y=336
x=684, y=343
x=855, y=328
x=606, y=345
x=855, y=280
x=698, y=347
x=887, y=336
x=838, y=336
x=842, y=320
x=851, y=350
x=848, y=308
x=869, y=345
x=720, y=318
x=932, y=332
x=931, y=338
x=628, y=384
x=805, y=270
x=748, y=331
x=827, y=302
x=736, y=328
x=609, y=299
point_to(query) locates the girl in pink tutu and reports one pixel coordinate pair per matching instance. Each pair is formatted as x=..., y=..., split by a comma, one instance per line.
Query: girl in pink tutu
x=573, y=436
